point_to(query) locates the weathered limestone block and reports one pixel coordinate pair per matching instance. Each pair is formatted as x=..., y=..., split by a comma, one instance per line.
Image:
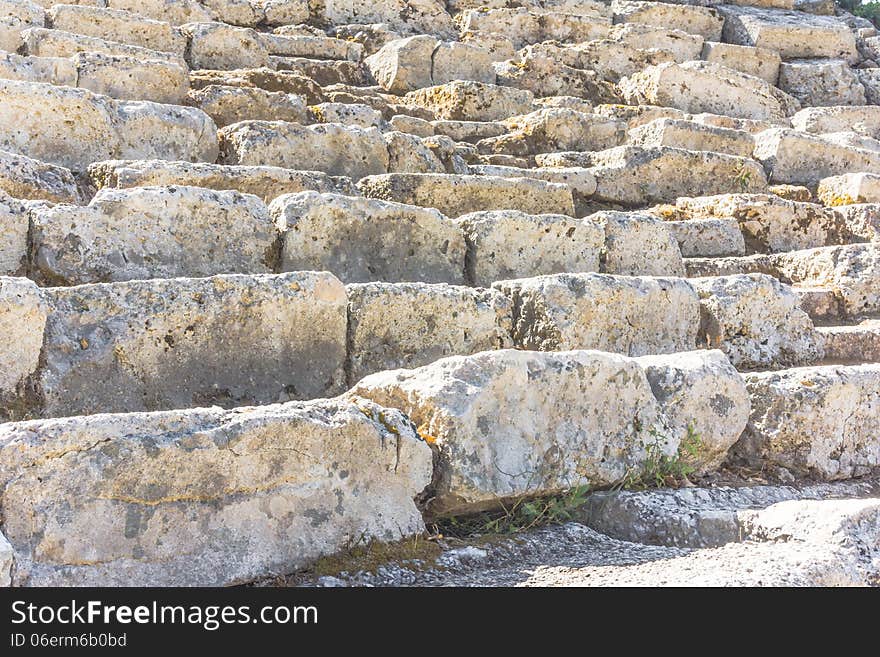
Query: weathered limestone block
x=636, y=115
x=870, y=79
x=555, y=129
x=819, y=82
x=524, y=27
x=53, y=70
x=505, y=244
x=692, y=136
x=336, y=149
x=860, y=220
x=756, y=321
x=16, y=16
x=291, y=44
x=705, y=21
x=850, y=188
x=700, y=392
x=706, y=87
x=545, y=76
x=472, y=101
x=800, y=158
x=410, y=16
x=227, y=105
x=638, y=245
x=864, y=120
x=408, y=154
x=769, y=223
x=167, y=132
x=362, y=240
x=623, y=314
x=243, y=13
x=394, y=325
x=325, y=72
x=611, y=60
x=684, y=47
x=760, y=62
x=221, y=46
x=851, y=271
x=454, y=60
x=40, y=42
x=265, y=182
x=26, y=178
x=286, y=82
x=176, y=12
x=816, y=421
x=13, y=236
x=205, y=497
x=6, y=561
x=117, y=25
x=351, y=114
x=633, y=175
x=72, y=128
x=177, y=343
x=708, y=238
x=510, y=423
x=133, y=79
x=455, y=195
x=404, y=65
x=23, y=313
x=284, y=12
x=792, y=34
x=152, y=232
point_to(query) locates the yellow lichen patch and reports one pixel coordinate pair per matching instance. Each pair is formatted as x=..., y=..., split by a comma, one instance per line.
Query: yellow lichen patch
x=422, y=430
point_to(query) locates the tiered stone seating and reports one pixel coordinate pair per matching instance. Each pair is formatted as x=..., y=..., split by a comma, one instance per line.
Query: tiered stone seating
x=280, y=276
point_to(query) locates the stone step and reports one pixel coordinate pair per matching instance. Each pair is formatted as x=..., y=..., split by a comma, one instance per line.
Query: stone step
x=817, y=82
x=76, y=127
x=850, y=188
x=118, y=25
x=498, y=437
x=117, y=76
x=853, y=343
x=266, y=182
x=636, y=176
x=42, y=42
x=697, y=87
x=524, y=27
x=205, y=497
x=848, y=271
x=691, y=136
x=712, y=517
x=707, y=22
x=29, y=179
x=770, y=224
x=817, y=421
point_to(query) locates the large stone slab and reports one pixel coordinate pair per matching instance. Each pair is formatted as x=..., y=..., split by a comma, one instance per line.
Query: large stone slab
x=42, y=42
x=820, y=82
x=117, y=25
x=14, y=226
x=29, y=179
x=126, y=77
x=704, y=21
x=850, y=188
x=792, y=34
x=760, y=62
x=152, y=232
x=472, y=101
x=628, y=315
x=509, y=423
x=336, y=149
x=692, y=136
x=265, y=182
x=864, y=120
x=852, y=272
x=697, y=87
x=394, y=325
x=205, y=497
x=816, y=421
x=455, y=195
x=363, y=239
x=219, y=46
x=756, y=321
x=23, y=313
x=703, y=397
x=769, y=223
x=177, y=343
x=505, y=244
x=637, y=176
x=805, y=159
x=227, y=104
